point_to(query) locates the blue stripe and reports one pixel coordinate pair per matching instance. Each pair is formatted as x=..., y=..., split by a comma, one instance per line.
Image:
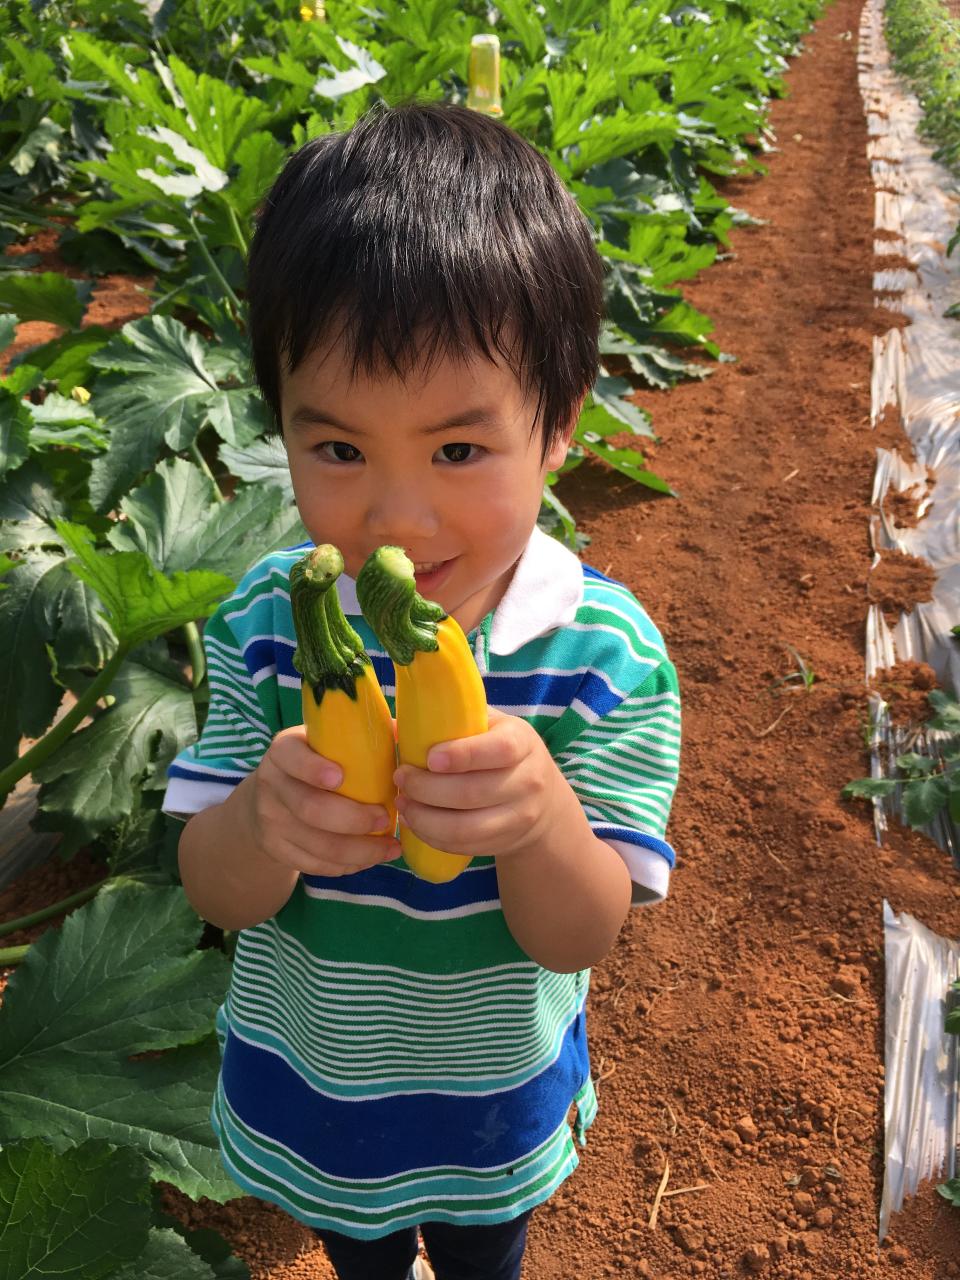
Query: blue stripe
x=538, y=689
x=641, y=838
x=193, y=775
x=403, y=1131
x=590, y=572
x=478, y=883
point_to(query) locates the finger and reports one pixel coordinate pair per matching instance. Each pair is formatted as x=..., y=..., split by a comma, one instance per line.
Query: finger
x=326, y=811
x=504, y=745
x=345, y=856
x=468, y=833
x=477, y=790
x=293, y=755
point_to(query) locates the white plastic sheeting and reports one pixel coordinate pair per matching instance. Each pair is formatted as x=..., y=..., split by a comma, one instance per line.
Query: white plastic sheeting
x=916, y=374
x=919, y=1100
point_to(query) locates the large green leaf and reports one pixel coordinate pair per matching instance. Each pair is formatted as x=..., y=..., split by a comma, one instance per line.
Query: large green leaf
x=168, y=1257
x=15, y=423
x=122, y=976
x=81, y=1213
x=8, y=330
x=66, y=360
x=175, y=519
x=263, y=462
x=92, y=781
x=45, y=296
x=140, y=602
x=28, y=695
x=28, y=507
x=162, y=392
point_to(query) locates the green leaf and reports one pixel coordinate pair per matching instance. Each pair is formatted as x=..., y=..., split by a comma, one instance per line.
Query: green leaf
x=174, y=518
x=15, y=423
x=950, y=1190
x=166, y=395
x=365, y=70
x=911, y=762
x=205, y=1243
x=139, y=601
x=263, y=462
x=93, y=780
x=29, y=505
x=29, y=697
x=47, y=296
x=44, y=140
x=121, y=976
x=951, y=1023
x=947, y=711
x=610, y=393
x=83, y=1212
x=66, y=360
x=869, y=788
x=8, y=330
x=923, y=798
x=167, y=1257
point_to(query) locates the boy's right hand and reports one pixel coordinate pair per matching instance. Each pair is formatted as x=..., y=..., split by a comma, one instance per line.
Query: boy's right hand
x=300, y=822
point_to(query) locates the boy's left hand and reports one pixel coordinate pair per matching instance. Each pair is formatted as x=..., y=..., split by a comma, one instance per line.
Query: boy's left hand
x=497, y=793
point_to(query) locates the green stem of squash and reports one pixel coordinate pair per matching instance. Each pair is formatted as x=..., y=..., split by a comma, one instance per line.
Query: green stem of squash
x=404, y=623
x=329, y=653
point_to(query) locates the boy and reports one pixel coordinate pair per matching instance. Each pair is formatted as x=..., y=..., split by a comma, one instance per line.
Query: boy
x=425, y=301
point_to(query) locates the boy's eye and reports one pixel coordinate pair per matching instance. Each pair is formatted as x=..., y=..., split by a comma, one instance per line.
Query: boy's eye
x=459, y=452
x=352, y=452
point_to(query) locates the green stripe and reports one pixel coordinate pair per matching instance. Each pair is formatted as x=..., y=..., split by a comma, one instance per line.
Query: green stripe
x=345, y=931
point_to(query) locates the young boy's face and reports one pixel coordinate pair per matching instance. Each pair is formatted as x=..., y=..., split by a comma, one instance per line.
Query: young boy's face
x=442, y=464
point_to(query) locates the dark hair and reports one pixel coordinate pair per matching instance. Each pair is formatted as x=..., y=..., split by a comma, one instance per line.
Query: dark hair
x=427, y=230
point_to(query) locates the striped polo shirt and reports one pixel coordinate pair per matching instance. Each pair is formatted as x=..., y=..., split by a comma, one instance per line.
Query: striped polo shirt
x=390, y=1055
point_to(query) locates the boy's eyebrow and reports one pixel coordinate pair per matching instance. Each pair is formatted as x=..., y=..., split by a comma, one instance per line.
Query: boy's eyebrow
x=481, y=416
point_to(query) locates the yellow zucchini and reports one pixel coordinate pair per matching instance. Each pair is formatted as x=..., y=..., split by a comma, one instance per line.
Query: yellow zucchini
x=440, y=693
x=344, y=711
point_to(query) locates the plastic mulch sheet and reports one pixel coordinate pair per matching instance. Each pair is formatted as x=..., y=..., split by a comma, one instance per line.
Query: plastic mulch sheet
x=920, y=1117
x=916, y=378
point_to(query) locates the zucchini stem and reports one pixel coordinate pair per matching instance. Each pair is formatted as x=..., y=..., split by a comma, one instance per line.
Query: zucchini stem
x=404, y=623
x=329, y=653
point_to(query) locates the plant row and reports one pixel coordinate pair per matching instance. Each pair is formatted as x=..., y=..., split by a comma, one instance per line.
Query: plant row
x=924, y=38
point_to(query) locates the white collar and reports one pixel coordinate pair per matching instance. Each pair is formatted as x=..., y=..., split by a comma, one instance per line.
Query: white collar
x=544, y=593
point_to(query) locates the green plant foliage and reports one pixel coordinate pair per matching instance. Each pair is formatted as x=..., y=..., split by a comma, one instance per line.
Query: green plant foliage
x=84, y=1212
x=76, y=1011
x=924, y=38
x=927, y=784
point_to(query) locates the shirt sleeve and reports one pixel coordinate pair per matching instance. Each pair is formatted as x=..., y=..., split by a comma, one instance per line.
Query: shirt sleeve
x=623, y=767
x=238, y=728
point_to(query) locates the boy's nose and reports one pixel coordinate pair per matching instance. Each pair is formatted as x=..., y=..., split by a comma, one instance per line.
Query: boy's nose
x=402, y=517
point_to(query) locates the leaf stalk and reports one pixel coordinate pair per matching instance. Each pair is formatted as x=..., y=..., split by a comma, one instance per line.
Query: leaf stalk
x=46, y=746
x=46, y=913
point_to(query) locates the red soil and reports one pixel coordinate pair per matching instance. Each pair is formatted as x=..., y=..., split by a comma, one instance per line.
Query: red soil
x=737, y=1029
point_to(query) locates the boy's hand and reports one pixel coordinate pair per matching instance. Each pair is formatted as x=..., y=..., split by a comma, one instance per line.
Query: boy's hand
x=495, y=795
x=299, y=821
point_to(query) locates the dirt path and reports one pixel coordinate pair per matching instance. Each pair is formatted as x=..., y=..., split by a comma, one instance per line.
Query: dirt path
x=737, y=1029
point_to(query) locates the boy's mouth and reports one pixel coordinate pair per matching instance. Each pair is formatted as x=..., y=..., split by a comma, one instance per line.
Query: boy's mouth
x=431, y=574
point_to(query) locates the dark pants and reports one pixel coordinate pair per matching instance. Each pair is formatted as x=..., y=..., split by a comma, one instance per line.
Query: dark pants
x=492, y=1252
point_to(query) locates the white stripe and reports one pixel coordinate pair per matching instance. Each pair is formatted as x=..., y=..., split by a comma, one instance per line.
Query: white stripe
x=349, y=1207
x=394, y=904
x=650, y=660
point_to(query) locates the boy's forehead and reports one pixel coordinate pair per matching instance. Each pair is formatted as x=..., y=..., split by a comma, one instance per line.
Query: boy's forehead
x=328, y=376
